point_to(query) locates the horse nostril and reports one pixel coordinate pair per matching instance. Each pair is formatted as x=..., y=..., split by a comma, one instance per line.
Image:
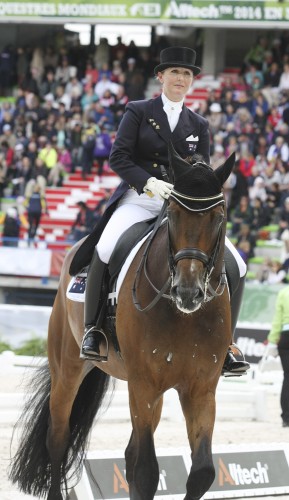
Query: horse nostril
x=198, y=293
x=174, y=291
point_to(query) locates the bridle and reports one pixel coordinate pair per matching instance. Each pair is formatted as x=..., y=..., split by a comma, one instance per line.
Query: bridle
x=194, y=204
x=196, y=253
x=185, y=253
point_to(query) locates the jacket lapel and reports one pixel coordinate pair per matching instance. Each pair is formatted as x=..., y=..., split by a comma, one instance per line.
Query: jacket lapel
x=184, y=126
x=158, y=120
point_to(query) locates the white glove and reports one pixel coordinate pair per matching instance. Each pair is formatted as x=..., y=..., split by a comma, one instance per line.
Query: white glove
x=271, y=350
x=158, y=188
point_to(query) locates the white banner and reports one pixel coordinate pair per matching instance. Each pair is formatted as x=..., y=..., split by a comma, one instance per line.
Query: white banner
x=19, y=324
x=25, y=261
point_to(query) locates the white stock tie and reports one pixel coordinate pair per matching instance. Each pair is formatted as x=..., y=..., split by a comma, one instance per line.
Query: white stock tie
x=173, y=114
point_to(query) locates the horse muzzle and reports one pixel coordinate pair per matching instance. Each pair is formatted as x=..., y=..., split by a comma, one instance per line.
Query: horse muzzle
x=187, y=299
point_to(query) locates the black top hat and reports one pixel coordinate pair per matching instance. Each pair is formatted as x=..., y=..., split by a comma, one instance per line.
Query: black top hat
x=182, y=57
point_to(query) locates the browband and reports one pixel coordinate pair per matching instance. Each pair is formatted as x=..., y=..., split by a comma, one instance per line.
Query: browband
x=216, y=200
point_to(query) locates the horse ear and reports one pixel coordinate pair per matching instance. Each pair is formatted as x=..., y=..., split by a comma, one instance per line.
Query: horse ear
x=177, y=165
x=224, y=170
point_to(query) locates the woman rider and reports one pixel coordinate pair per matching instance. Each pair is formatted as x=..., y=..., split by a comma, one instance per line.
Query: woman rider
x=140, y=148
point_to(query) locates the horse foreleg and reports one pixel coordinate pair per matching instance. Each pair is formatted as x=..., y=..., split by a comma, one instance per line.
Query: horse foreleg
x=130, y=455
x=199, y=412
x=142, y=470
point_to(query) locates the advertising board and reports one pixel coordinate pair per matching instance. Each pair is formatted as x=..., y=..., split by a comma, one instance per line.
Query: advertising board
x=240, y=472
x=162, y=11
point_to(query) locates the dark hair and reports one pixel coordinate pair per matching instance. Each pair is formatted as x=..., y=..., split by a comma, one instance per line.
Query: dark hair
x=81, y=204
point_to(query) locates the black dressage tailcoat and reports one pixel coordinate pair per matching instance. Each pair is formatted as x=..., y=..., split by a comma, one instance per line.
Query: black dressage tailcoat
x=141, y=146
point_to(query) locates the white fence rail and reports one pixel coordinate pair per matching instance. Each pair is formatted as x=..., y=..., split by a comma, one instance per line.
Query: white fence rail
x=235, y=399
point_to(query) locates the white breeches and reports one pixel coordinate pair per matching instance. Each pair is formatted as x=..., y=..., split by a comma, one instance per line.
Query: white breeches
x=241, y=264
x=134, y=208
x=131, y=208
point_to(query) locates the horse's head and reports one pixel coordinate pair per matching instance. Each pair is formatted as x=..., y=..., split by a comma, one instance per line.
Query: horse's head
x=197, y=226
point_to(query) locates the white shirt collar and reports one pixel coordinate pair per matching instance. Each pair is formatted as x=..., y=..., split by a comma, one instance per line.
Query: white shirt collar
x=174, y=105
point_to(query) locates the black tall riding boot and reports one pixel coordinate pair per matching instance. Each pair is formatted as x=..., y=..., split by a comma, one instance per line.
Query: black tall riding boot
x=231, y=366
x=95, y=300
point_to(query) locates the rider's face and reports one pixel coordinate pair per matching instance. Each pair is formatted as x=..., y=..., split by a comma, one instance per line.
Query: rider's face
x=176, y=82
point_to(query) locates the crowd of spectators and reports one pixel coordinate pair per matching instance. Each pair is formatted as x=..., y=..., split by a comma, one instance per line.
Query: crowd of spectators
x=68, y=102
x=63, y=107
x=249, y=114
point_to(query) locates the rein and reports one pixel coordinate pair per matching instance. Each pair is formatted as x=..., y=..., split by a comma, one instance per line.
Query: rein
x=143, y=262
x=143, y=265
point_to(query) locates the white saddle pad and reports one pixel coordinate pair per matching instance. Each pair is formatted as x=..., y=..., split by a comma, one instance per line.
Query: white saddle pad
x=76, y=287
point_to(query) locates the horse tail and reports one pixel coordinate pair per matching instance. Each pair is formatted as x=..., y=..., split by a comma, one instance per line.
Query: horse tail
x=30, y=468
x=86, y=405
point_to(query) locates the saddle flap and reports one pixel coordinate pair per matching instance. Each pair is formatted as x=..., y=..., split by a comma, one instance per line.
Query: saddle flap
x=232, y=271
x=126, y=242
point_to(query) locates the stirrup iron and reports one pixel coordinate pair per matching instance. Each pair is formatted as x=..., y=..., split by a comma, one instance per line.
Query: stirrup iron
x=94, y=331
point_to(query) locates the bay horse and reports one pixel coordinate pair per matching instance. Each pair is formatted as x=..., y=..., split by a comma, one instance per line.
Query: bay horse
x=179, y=342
